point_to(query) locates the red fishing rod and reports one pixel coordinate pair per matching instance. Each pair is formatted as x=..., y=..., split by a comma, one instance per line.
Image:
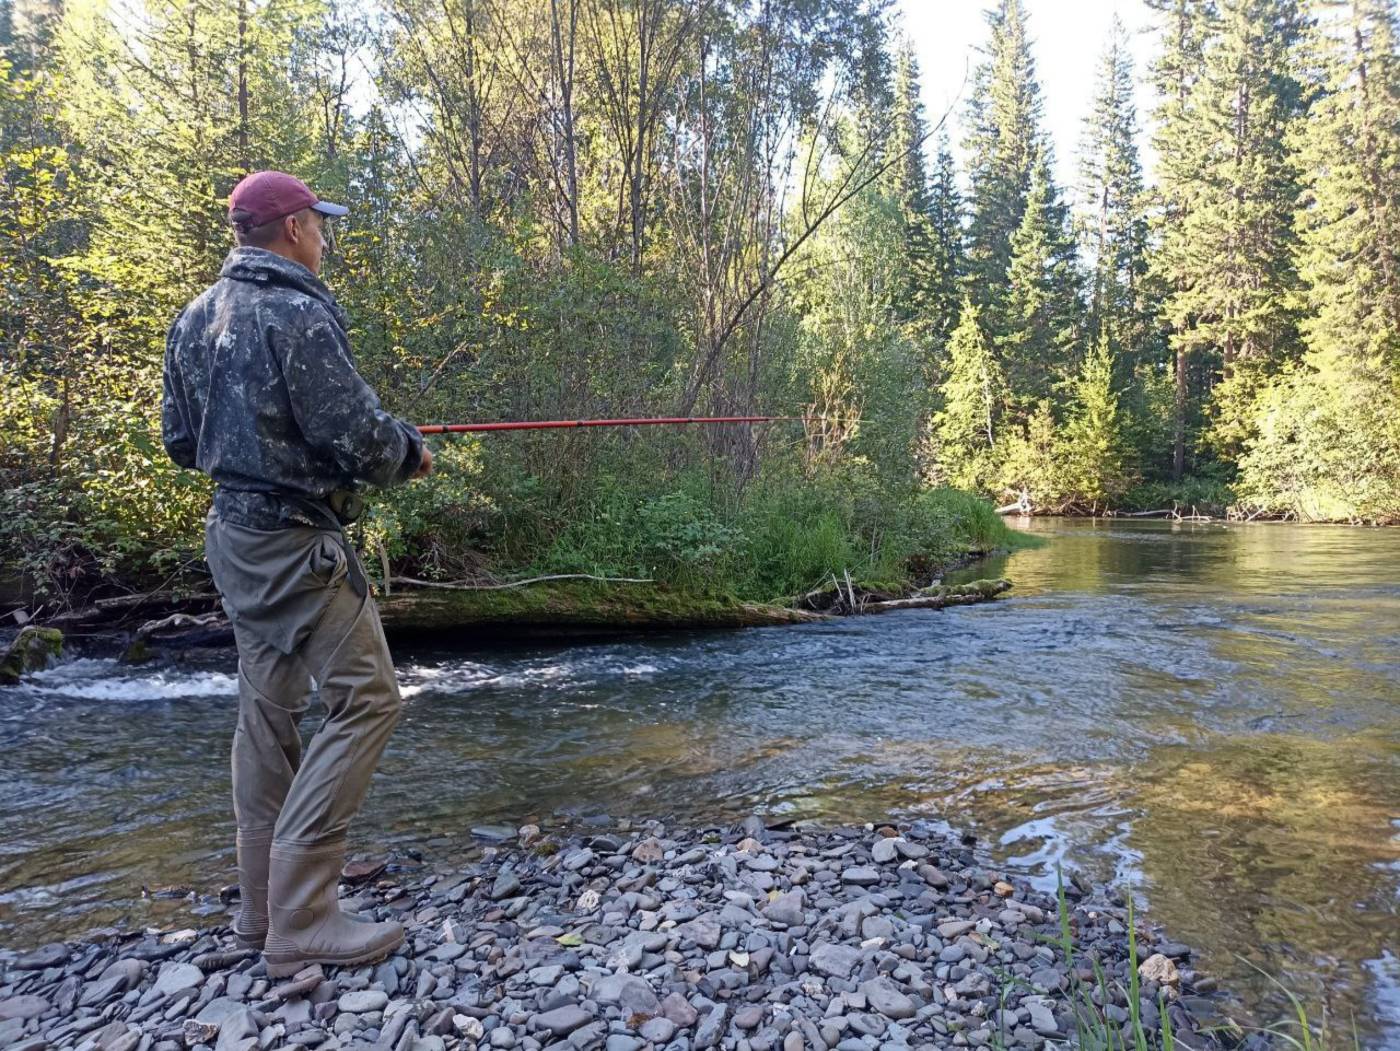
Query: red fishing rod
x=545, y=425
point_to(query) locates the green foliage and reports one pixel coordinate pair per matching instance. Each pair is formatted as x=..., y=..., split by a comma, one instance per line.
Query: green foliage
x=964, y=430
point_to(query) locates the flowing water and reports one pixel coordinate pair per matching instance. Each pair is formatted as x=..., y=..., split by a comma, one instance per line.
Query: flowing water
x=1209, y=713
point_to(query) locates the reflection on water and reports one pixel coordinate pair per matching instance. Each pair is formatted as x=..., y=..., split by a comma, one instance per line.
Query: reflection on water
x=1210, y=713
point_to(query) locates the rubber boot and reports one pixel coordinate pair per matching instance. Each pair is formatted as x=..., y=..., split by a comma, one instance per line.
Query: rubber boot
x=251, y=925
x=307, y=925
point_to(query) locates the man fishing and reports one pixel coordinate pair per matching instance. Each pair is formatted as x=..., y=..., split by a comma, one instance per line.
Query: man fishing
x=262, y=395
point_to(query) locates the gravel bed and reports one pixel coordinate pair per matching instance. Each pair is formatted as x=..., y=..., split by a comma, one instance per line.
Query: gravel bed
x=630, y=938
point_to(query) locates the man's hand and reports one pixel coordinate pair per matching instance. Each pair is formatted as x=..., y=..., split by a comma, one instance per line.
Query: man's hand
x=425, y=466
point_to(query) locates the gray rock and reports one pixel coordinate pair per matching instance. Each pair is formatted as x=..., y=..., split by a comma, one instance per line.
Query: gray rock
x=860, y=876
x=676, y=1008
x=174, y=977
x=42, y=958
x=630, y=993
x=834, y=959
x=363, y=1001
x=704, y=931
x=787, y=908
x=563, y=1020
x=623, y=1042
x=885, y=997
x=507, y=885
x=28, y=1006
x=658, y=1030
x=711, y=1027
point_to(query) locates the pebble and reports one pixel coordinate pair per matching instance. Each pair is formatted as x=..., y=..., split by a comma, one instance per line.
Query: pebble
x=363, y=1001
x=626, y=938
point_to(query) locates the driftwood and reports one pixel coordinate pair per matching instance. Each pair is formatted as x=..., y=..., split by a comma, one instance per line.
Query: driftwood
x=938, y=598
x=459, y=585
x=180, y=622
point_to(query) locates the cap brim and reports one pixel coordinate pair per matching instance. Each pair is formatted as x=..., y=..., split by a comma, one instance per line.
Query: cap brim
x=333, y=210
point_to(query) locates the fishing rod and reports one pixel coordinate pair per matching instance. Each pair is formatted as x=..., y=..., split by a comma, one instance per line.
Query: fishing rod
x=644, y=421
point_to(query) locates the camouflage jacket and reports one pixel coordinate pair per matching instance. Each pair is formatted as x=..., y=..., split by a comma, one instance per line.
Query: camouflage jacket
x=262, y=395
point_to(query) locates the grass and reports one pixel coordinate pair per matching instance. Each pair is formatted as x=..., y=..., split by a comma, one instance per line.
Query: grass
x=1094, y=1031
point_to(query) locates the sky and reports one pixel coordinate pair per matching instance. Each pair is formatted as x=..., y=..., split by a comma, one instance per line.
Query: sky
x=1067, y=38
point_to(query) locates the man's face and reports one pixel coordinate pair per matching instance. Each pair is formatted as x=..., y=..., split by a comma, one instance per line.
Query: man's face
x=311, y=239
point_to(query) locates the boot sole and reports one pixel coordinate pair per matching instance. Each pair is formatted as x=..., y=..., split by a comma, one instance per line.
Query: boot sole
x=245, y=942
x=280, y=969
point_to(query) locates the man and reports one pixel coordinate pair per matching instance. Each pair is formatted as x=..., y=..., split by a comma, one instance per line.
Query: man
x=261, y=394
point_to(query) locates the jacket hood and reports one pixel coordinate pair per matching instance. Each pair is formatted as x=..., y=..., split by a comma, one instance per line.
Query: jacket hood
x=261, y=267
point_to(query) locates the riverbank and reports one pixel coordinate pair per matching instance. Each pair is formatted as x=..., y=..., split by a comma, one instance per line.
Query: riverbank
x=635, y=937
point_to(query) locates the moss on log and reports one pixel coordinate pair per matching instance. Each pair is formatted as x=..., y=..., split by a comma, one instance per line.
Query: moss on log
x=31, y=651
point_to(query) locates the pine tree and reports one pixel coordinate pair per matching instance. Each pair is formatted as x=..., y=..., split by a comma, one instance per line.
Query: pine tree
x=1003, y=143
x=1112, y=221
x=1236, y=238
x=1186, y=26
x=964, y=431
x=1041, y=320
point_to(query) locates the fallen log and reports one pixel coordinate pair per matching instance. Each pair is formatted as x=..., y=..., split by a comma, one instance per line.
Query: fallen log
x=941, y=597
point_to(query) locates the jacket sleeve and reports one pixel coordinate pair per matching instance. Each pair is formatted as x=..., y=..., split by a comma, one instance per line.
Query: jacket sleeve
x=335, y=408
x=175, y=430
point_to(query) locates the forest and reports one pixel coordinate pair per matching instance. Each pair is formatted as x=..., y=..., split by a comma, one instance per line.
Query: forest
x=578, y=208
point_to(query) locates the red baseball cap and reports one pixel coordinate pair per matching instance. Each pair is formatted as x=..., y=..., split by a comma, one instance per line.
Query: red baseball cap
x=266, y=196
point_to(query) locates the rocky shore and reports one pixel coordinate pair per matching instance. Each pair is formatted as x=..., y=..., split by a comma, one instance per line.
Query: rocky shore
x=629, y=938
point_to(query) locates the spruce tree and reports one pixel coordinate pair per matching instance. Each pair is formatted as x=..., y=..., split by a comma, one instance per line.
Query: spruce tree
x=1112, y=221
x=1095, y=449
x=1236, y=240
x=1327, y=441
x=964, y=431
x=907, y=182
x=948, y=262
x=1003, y=143
x=1349, y=148
x=1040, y=325
x=1186, y=25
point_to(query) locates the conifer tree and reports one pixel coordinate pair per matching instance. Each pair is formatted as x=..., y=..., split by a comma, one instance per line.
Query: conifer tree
x=1041, y=320
x=908, y=184
x=948, y=261
x=1095, y=449
x=1327, y=441
x=1236, y=238
x=1112, y=222
x=1185, y=27
x=964, y=431
x=1003, y=143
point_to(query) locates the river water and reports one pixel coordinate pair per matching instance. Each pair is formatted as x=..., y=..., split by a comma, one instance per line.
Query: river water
x=1208, y=713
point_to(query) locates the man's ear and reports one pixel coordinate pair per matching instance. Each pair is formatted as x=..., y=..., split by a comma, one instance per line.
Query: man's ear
x=292, y=228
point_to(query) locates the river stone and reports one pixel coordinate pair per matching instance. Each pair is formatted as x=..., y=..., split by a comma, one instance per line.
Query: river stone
x=28, y=1006
x=955, y=928
x=885, y=850
x=885, y=997
x=363, y=1001
x=658, y=1030
x=708, y=1032
x=860, y=876
x=1158, y=968
x=216, y=1010
x=507, y=885
x=786, y=908
x=704, y=931
x=563, y=1020
x=1042, y=1018
x=630, y=993
x=42, y=958
x=175, y=977
x=238, y=1032
x=834, y=960
x=677, y=1009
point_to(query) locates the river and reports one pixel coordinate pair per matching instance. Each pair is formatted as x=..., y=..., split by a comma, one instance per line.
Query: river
x=1208, y=713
